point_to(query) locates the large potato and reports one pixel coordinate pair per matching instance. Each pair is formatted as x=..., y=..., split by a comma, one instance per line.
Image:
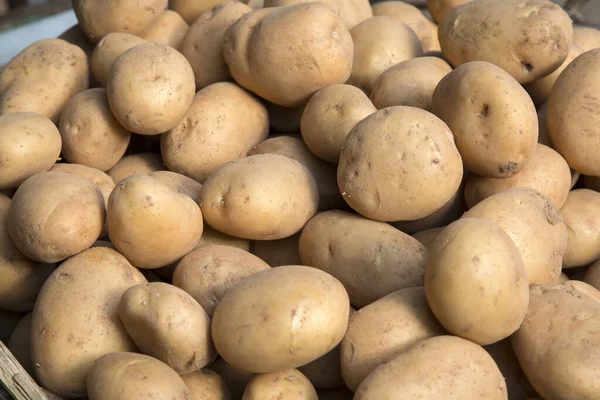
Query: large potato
x=439, y=8
x=303, y=310
x=29, y=144
x=581, y=213
x=528, y=39
x=262, y=197
x=75, y=318
x=406, y=145
x=371, y=259
x=106, y=52
x=352, y=12
x=20, y=344
x=135, y=164
x=223, y=123
x=169, y=28
x=277, y=252
x=206, y=384
x=289, y=384
x=97, y=177
x=586, y=37
x=285, y=54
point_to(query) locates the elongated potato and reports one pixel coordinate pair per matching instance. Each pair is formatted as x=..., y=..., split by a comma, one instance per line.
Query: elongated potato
x=106, y=52
x=169, y=28
x=581, y=213
x=135, y=164
x=289, y=384
x=206, y=384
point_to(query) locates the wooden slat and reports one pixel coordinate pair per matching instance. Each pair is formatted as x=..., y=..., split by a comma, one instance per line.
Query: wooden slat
x=15, y=379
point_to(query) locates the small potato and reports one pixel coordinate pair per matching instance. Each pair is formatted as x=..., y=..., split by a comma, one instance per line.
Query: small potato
x=352, y=12
x=29, y=144
x=135, y=164
x=289, y=384
x=592, y=275
x=150, y=224
x=528, y=39
x=428, y=236
x=409, y=83
x=106, y=52
x=428, y=370
x=150, y=87
x=42, y=78
x=584, y=288
x=277, y=252
x=262, y=197
x=563, y=278
x=97, y=177
x=223, y=122
x=206, y=385
x=191, y=10
x=55, y=215
x=329, y=116
x=371, y=259
x=586, y=38
x=492, y=118
x=178, y=183
x=581, y=213
x=380, y=43
x=20, y=344
x=207, y=273
x=439, y=8
x=409, y=146
x=303, y=310
x=517, y=384
x=169, y=28
x=126, y=376
x=236, y=379
x=8, y=322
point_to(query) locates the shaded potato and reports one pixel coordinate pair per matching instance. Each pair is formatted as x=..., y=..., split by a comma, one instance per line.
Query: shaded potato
x=20, y=344
x=236, y=379
x=285, y=119
x=108, y=49
x=96, y=176
x=135, y=164
x=591, y=182
x=206, y=384
x=439, y=8
x=543, y=136
x=8, y=322
x=42, y=78
x=586, y=38
x=178, y=183
x=428, y=236
x=325, y=372
x=352, y=12
x=63, y=351
x=563, y=278
x=581, y=213
x=191, y=10
x=277, y=252
x=335, y=394
x=289, y=384
x=75, y=36
x=517, y=384
x=169, y=28
x=592, y=275
x=345, y=245
x=584, y=288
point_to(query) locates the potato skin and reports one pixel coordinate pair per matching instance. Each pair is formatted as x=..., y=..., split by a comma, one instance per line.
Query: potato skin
x=20, y=344
x=585, y=37
x=277, y=302
x=169, y=28
x=29, y=144
x=178, y=183
x=581, y=212
x=135, y=164
x=206, y=384
x=352, y=12
x=439, y=8
x=289, y=384
x=75, y=318
x=592, y=275
x=106, y=52
x=191, y=10
x=517, y=384
x=584, y=288
x=428, y=236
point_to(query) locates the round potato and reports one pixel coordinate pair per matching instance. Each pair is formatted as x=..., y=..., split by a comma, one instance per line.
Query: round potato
x=97, y=177
x=584, y=288
x=586, y=38
x=277, y=252
x=329, y=116
x=169, y=28
x=29, y=144
x=206, y=384
x=352, y=12
x=371, y=259
x=75, y=318
x=277, y=302
x=261, y=197
x=517, y=384
x=580, y=213
x=207, y=273
x=135, y=164
x=289, y=384
x=191, y=10
x=106, y=52
x=20, y=344
x=236, y=379
x=150, y=87
x=409, y=146
x=428, y=236
x=439, y=8
x=178, y=183
x=223, y=123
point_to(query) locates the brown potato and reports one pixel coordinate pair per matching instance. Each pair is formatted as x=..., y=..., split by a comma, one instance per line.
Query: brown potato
x=178, y=183
x=584, y=288
x=169, y=28
x=236, y=379
x=352, y=12
x=289, y=384
x=206, y=384
x=439, y=8
x=517, y=384
x=97, y=177
x=277, y=252
x=428, y=236
x=20, y=344
x=106, y=52
x=586, y=37
x=581, y=213
x=135, y=164
x=191, y=10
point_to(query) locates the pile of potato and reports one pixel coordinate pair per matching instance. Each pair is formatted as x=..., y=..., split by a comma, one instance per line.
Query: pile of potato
x=304, y=200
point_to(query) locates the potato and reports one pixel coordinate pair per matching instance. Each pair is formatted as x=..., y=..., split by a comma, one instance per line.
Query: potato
x=574, y=113
x=117, y=16
x=580, y=213
x=262, y=197
x=547, y=172
x=75, y=318
x=169, y=28
x=178, y=183
x=534, y=224
x=584, y=288
x=124, y=376
x=409, y=146
x=266, y=51
x=9, y=320
x=543, y=136
x=591, y=182
x=517, y=385
x=223, y=123
x=55, y=215
x=106, y=52
x=235, y=379
x=592, y=275
x=277, y=252
x=42, y=78
x=352, y=12
x=97, y=177
x=439, y=8
x=191, y=10
x=563, y=278
x=206, y=385
x=442, y=367
x=135, y=164
x=585, y=37
x=150, y=224
x=492, y=118
x=409, y=83
x=289, y=384
x=383, y=329
x=380, y=43
x=291, y=305
x=203, y=43
x=29, y=144
x=285, y=119
x=325, y=371
x=150, y=87
x=323, y=172
x=371, y=259
x=20, y=344
x=207, y=273
x=329, y=116
x=428, y=236
x=528, y=39
x=75, y=35
x=557, y=344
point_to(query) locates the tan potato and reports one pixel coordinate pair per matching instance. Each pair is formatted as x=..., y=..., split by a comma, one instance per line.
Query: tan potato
x=266, y=51
x=329, y=116
x=42, y=78
x=8, y=322
x=262, y=197
x=203, y=43
x=528, y=39
x=207, y=273
x=277, y=301
x=75, y=318
x=29, y=144
x=352, y=12
x=55, y=215
x=135, y=164
x=584, y=288
x=285, y=119
x=380, y=43
x=563, y=278
x=592, y=275
x=428, y=236
x=586, y=38
x=409, y=146
x=428, y=370
x=439, y=8
x=236, y=379
x=371, y=259
x=492, y=118
x=150, y=224
x=581, y=213
x=409, y=83
x=277, y=252
x=517, y=384
x=97, y=177
x=169, y=28
x=534, y=224
x=106, y=52
x=178, y=183
x=150, y=87
x=223, y=123
x=289, y=384
x=547, y=172
x=191, y=10
x=20, y=344
x=206, y=385
x=125, y=376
